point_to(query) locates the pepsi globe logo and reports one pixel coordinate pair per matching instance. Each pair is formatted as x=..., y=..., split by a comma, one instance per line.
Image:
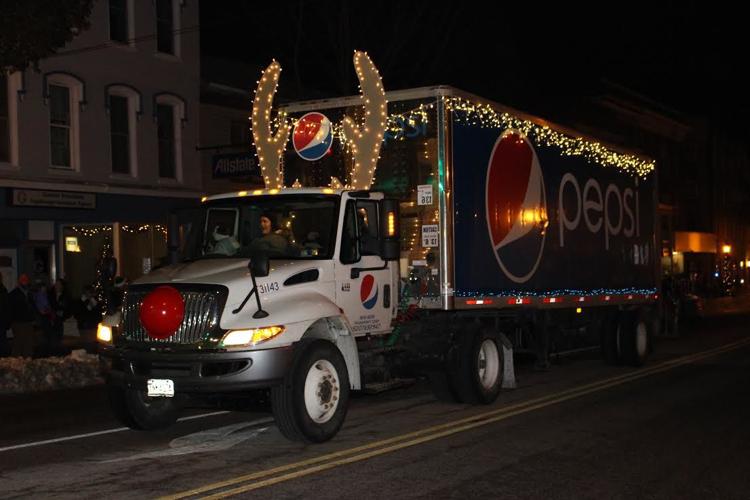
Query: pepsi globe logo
x=516, y=206
x=368, y=292
x=313, y=136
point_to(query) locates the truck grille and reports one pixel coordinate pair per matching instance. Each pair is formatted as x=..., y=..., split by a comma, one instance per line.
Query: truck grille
x=203, y=306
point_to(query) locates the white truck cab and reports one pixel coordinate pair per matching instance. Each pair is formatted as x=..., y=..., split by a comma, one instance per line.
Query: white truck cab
x=272, y=288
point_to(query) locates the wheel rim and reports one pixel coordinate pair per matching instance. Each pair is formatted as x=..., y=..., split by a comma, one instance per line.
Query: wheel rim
x=322, y=391
x=641, y=339
x=488, y=364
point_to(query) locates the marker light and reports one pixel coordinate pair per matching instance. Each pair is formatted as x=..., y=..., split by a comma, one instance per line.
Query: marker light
x=391, y=224
x=250, y=337
x=103, y=333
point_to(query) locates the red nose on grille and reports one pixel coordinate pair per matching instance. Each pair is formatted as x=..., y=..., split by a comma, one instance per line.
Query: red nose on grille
x=162, y=311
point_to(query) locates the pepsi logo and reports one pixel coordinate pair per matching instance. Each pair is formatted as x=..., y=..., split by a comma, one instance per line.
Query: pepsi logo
x=368, y=291
x=516, y=206
x=313, y=136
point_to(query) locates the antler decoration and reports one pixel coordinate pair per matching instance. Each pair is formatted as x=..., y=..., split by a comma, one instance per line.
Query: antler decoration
x=366, y=141
x=270, y=146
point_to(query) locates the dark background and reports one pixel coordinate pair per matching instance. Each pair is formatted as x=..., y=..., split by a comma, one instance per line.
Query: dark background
x=688, y=56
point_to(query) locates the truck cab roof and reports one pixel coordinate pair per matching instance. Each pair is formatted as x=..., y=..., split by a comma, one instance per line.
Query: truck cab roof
x=266, y=192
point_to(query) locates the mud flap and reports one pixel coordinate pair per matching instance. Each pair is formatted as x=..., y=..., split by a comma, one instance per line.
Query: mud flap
x=509, y=371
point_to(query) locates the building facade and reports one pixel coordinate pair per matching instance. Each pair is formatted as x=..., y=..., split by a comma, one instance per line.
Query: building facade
x=98, y=144
x=227, y=155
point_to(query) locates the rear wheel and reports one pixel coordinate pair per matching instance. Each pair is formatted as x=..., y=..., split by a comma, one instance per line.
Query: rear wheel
x=610, y=338
x=476, y=369
x=136, y=410
x=635, y=337
x=311, y=404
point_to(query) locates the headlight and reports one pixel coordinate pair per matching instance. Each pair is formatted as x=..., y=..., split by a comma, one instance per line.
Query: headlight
x=250, y=337
x=104, y=333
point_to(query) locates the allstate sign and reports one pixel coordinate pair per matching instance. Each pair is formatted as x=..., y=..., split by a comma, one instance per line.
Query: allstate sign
x=234, y=165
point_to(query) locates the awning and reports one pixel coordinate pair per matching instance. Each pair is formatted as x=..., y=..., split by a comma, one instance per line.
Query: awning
x=694, y=242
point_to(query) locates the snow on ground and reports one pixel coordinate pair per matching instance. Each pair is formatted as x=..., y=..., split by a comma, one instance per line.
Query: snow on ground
x=78, y=369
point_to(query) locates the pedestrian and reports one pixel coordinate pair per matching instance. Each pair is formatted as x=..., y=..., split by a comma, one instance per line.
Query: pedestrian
x=62, y=310
x=43, y=316
x=4, y=319
x=22, y=318
x=116, y=295
x=88, y=314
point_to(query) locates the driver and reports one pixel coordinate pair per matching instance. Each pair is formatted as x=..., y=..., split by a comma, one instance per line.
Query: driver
x=270, y=241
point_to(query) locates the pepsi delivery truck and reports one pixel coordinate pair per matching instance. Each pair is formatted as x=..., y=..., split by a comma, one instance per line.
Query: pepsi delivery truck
x=484, y=232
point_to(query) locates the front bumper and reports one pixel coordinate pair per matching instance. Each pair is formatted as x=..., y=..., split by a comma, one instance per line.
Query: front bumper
x=196, y=372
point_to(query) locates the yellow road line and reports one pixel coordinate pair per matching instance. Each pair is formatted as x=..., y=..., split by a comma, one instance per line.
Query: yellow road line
x=390, y=445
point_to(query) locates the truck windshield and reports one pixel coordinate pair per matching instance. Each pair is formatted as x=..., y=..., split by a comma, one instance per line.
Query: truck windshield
x=282, y=226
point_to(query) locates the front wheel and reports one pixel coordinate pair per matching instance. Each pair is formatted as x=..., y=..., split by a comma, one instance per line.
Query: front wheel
x=311, y=403
x=136, y=410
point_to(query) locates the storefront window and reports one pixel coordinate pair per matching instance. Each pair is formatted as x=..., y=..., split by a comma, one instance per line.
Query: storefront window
x=88, y=257
x=143, y=247
x=94, y=255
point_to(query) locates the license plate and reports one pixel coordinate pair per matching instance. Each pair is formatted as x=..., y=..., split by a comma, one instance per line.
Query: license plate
x=160, y=387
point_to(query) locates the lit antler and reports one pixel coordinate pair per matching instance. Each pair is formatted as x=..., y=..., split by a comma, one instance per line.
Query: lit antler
x=270, y=146
x=365, y=141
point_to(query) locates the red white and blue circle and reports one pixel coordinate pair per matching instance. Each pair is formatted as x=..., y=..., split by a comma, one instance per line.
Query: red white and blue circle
x=368, y=291
x=516, y=206
x=312, y=136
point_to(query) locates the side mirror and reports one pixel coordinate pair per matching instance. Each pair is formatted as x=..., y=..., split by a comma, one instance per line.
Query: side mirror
x=259, y=265
x=390, y=246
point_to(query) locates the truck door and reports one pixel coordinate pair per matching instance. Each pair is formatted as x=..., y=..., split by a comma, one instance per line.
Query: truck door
x=364, y=288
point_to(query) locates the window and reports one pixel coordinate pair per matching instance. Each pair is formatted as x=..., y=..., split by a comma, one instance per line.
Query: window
x=60, y=126
x=119, y=119
x=166, y=132
x=124, y=107
x=298, y=227
x=65, y=95
x=367, y=226
x=360, y=232
x=4, y=120
x=118, y=21
x=165, y=27
x=170, y=114
x=239, y=133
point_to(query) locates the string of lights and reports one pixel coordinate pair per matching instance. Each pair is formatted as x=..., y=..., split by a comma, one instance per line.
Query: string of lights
x=89, y=231
x=558, y=292
x=474, y=114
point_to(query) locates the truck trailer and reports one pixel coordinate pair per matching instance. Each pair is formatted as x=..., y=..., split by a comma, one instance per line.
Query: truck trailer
x=483, y=231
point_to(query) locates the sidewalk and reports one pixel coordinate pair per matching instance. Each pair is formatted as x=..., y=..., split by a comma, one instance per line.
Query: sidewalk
x=725, y=306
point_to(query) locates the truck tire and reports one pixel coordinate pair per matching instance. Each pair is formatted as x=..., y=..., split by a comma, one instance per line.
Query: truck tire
x=311, y=403
x=610, y=338
x=137, y=411
x=477, y=367
x=635, y=340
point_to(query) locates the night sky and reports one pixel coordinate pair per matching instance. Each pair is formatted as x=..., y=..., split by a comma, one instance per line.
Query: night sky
x=687, y=56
